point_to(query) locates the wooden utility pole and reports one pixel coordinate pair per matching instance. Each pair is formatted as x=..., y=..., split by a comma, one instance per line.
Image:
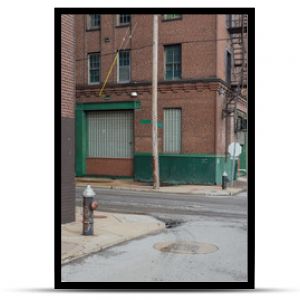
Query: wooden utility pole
x=154, y=104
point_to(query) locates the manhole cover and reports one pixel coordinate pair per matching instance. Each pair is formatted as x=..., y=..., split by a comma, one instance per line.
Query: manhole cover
x=186, y=247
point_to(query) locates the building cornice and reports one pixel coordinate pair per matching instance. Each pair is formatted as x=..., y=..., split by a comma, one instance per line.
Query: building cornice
x=141, y=87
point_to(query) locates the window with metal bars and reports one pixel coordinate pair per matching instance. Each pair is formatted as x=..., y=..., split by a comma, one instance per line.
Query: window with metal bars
x=93, y=21
x=172, y=130
x=94, y=68
x=124, y=19
x=124, y=66
x=173, y=62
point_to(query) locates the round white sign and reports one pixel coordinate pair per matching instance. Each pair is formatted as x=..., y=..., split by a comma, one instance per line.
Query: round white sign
x=235, y=149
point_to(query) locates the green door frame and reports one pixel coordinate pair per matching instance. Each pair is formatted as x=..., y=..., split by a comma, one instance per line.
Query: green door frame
x=81, y=127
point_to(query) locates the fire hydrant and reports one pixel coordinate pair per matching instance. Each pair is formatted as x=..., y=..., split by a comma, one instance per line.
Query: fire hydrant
x=89, y=205
x=224, y=180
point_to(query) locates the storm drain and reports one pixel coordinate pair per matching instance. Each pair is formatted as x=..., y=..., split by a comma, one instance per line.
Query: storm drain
x=186, y=247
x=172, y=223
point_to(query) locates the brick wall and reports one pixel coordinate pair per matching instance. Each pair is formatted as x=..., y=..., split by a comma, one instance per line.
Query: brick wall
x=223, y=44
x=203, y=58
x=199, y=58
x=67, y=65
x=109, y=166
x=198, y=113
x=198, y=104
x=67, y=119
x=67, y=171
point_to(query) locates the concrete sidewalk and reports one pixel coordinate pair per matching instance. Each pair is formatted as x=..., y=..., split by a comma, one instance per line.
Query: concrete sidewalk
x=129, y=184
x=109, y=229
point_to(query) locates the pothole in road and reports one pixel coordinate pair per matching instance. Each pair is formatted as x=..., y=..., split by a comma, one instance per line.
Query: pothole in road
x=186, y=247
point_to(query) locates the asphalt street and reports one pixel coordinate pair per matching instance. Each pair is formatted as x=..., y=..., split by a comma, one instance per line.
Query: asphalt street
x=220, y=222
x=156, y=204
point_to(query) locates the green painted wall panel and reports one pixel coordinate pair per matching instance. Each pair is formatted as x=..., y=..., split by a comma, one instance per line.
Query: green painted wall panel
x=183, y=168
x=109, y=105
x=219, y=169
x=81, y=142
x=225, y=165
x=81, y=127
x=143, y=167
x=243, y=157
x=192, y=170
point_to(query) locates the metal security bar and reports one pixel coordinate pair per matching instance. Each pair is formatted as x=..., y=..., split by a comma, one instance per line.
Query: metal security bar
x=172, y=130
x=110, y=134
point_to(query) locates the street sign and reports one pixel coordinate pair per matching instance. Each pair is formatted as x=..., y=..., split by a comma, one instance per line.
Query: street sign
x=233, y=157
x=234, y=150
x=147, y=121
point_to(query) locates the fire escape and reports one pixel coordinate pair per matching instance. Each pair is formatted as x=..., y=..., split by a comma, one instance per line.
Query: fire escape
x=237, y=29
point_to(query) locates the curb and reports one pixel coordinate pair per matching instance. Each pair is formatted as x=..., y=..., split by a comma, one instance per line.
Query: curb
x=121, y=240
x=111, y=187
x=227, y=193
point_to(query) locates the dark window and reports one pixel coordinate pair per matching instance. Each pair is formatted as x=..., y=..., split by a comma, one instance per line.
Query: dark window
x=124, y=66
x=173, y=62
x=244, y=124
x=94, y=68
x=228, y=66
x=238, y=123
x=241, y=124
x=93, y=21
x=124, y=19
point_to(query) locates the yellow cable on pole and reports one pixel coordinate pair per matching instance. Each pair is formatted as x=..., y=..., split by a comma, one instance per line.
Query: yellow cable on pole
x=110, y=70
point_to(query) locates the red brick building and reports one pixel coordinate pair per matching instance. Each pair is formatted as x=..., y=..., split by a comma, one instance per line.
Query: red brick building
x=196, y=72
x=67, y=118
